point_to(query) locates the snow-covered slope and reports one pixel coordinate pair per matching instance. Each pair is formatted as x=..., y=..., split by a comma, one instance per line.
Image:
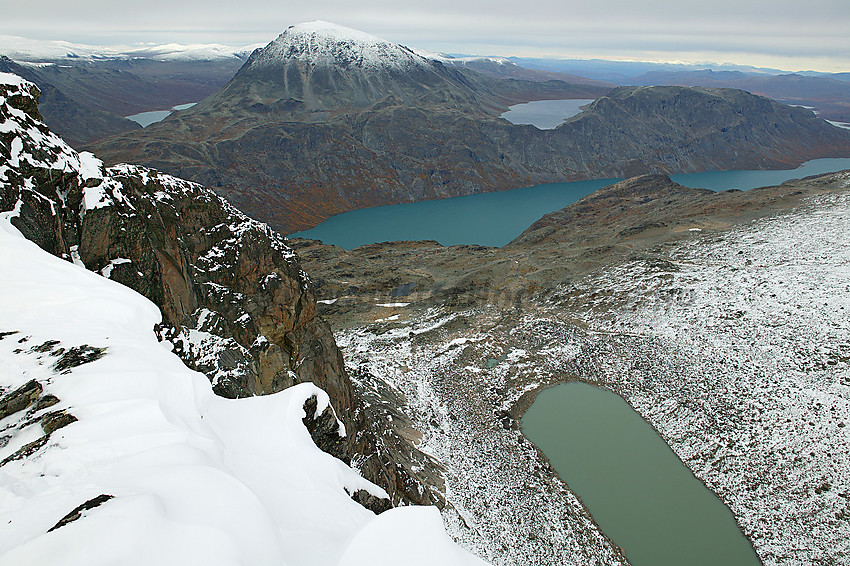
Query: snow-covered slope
x=323, y=42
x=191, y=52
x=234, y=300
x=193, y=478
x=113, y=452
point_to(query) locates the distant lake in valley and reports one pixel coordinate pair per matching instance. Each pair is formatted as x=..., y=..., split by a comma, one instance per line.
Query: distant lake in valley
x=633, y=484
x=544, y=114
x=494, y=219
x=154, y=116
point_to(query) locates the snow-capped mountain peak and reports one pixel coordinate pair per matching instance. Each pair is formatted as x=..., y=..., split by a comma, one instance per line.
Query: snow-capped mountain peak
x=321, y=42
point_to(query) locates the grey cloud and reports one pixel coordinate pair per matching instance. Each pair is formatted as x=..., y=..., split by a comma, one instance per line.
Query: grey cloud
x=776, y=28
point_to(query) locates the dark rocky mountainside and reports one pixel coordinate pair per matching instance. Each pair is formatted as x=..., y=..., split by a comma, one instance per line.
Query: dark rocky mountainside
x=77, y=122
x=326, y=119
x=829, y=95
x=86, y=100
x=235, y=303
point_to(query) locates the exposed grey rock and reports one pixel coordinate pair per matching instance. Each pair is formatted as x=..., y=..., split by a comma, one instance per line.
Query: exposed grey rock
x=20, y=398
x=77, y=512
x=26, y=450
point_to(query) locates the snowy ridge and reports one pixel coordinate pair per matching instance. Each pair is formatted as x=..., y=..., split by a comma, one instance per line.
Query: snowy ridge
x=26, y=50
x=448, y=59
x=111, y=450
x=191, y=52
x=326, y=43
x=78, y=183
x=173, y=474
x=34, y=146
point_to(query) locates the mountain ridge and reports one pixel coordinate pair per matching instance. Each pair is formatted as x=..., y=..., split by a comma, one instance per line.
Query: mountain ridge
x=327, y=136
x=235, y=303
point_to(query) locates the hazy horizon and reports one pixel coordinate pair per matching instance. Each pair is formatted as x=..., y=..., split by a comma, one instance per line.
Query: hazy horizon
x=778, y=34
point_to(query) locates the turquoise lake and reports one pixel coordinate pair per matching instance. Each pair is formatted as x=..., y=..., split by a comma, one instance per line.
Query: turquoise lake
x=494, y=219
x=638, y=491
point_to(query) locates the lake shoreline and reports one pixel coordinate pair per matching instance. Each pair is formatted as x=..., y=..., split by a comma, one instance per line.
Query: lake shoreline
x=521, y=406
x=471, y=307
x=458, y=220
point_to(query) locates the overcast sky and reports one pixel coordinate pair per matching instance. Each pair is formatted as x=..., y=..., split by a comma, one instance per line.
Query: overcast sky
x=785, y=34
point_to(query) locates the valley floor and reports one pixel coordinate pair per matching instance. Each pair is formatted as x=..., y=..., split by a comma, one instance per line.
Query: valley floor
x=734, y=345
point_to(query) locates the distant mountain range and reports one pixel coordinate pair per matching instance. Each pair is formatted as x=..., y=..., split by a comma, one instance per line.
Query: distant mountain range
x=828, y=93
x=77, y=120
x=87, y=90
x=85, y=100
x=505, y=68
x=326, y=119
x=22, y=49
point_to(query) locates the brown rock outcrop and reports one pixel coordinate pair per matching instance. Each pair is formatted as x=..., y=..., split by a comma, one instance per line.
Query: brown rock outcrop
x=235, y=303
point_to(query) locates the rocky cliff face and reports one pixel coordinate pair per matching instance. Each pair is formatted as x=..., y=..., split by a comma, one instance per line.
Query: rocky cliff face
x=235, y=303
x=325, y=120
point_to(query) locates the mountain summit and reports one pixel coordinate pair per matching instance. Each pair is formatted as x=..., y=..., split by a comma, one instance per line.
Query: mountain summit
x=317, y=70
x=322, y=42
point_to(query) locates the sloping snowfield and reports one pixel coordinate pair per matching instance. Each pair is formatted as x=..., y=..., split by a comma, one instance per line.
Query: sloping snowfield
x=160, y=470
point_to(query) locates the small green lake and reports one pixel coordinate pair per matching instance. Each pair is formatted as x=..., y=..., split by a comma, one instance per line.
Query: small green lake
x=636, y=488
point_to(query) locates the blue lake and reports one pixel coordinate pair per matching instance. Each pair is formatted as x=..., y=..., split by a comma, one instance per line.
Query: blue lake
x=494, y=219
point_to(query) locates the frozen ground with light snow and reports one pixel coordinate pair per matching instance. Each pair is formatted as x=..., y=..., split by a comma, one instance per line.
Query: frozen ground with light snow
x=735, y=346
x=742, y=362
x=193, y=478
